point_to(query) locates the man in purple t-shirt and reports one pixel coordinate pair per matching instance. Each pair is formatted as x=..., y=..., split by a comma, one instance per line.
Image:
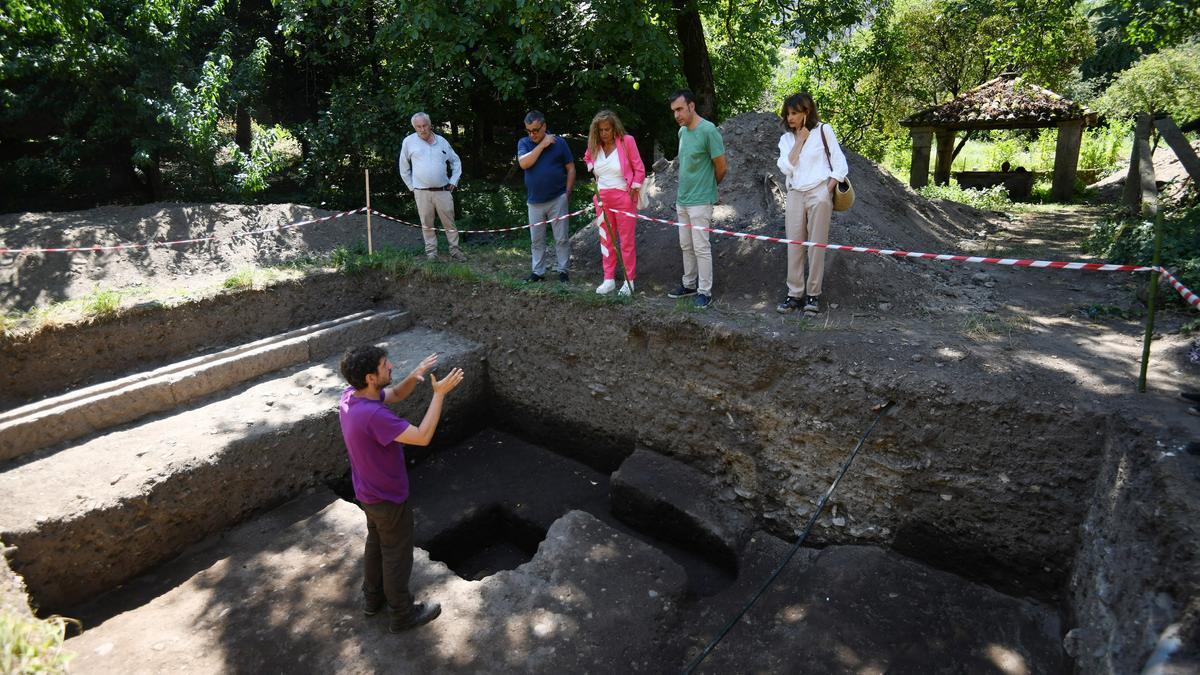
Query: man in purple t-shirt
x=374, y=436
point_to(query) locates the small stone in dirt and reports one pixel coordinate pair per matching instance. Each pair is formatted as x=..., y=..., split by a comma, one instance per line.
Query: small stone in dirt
x=885, y=306
x=981, y=277
x=917, y=358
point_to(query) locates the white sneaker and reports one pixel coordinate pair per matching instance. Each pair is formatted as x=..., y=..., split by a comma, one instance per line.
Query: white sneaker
x=606, y=287
x=626, y=289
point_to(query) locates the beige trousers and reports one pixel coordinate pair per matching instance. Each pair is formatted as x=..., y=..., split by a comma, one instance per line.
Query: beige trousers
x=697, y=251
x=807, y=218
x=429, y=201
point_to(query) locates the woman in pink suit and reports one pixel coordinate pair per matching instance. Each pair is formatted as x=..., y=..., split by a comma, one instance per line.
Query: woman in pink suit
x=612, y=156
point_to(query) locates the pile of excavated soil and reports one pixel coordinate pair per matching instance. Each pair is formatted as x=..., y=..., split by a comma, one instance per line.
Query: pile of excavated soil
x=36, y=279
x=1169, y=175
x=887, y=214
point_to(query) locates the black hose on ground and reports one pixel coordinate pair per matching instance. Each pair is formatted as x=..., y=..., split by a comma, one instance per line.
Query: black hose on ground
x=799, y=542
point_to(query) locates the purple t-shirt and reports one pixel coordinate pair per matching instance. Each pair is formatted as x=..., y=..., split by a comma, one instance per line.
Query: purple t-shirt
x=377, y=468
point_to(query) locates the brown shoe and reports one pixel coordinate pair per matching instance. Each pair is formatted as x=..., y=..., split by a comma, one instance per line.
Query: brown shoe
x=417, y=615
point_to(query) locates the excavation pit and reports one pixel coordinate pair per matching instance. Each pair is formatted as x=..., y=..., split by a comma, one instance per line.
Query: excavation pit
x=611, y=488
x=491, y=541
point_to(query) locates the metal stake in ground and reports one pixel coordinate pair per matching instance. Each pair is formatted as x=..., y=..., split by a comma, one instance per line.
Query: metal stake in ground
x=691, y=667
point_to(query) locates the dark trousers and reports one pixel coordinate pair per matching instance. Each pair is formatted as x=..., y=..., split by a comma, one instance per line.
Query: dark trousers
x=388, y=557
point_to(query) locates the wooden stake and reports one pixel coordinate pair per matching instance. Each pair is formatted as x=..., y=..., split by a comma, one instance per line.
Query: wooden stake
x=367, y=178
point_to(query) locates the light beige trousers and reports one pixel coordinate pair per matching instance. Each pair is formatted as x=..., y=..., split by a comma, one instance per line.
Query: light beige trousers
x=441, y=202
x=807, y=218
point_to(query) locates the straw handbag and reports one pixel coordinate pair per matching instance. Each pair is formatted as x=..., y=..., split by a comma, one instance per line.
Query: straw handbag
x=843, y=192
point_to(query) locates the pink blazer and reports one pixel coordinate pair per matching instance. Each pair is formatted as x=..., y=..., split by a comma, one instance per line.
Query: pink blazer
x=631, y=162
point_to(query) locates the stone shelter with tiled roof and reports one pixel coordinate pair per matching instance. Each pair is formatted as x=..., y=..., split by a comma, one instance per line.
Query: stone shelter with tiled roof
x=1006, y=102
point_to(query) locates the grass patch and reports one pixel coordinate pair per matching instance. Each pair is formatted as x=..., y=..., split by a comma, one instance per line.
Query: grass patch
x=239, y=280
x=102, y=303
x=985, y=327
x=29, y=645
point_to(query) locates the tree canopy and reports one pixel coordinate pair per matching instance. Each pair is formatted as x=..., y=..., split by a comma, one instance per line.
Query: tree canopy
x=143, y=99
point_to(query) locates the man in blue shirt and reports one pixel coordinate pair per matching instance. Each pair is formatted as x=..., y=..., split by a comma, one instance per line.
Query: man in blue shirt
x=549, y=176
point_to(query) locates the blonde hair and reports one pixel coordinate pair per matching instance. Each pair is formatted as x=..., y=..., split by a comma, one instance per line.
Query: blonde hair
x=594, y=133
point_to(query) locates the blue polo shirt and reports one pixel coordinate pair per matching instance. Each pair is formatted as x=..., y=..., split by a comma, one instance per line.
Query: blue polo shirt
x=547, y=178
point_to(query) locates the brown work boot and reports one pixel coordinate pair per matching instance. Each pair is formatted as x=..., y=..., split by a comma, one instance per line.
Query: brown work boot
x=418, y=615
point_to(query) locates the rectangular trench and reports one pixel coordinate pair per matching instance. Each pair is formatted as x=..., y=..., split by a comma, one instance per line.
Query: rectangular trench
x=969, y=474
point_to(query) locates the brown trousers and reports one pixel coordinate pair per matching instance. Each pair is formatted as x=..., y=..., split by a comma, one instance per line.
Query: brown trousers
x=388, y=557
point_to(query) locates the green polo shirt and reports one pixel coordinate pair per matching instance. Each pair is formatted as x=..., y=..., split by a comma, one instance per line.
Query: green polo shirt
x=697, y=149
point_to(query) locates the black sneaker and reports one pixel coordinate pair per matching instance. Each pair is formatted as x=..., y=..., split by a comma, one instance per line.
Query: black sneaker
x=703, y=301
x=681, y=292
x=533, y=278
x=789, y=304
x=564, y=277
x=812, y=304
x=1193, y=396
x=417, y=615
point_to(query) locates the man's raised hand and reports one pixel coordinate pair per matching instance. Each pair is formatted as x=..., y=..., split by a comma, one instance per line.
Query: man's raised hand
x=444, y=386
x=423, y=367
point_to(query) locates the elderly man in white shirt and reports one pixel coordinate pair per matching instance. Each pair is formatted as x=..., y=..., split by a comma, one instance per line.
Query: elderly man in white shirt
x=431, y=169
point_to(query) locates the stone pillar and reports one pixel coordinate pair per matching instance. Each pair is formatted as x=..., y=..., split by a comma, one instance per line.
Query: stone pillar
x=1066, y=160
x=922, y=140
x=945, y=156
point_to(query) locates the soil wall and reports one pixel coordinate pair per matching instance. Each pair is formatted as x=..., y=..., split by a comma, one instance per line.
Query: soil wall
x=968, y=473
x=62, y=358
x=1137, y=561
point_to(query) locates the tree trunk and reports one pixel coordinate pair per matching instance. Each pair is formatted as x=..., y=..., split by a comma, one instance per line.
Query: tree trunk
x=244, y=134
x=693, y=49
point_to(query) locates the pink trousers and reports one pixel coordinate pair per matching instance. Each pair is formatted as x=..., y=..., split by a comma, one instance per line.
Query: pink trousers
x=625, y=227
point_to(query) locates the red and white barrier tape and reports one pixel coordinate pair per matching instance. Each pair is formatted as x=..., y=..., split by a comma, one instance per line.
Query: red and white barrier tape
x=504, y=229
x=154, y=244
x=1188, y=296
x=1191, y=298
x=1017, y=262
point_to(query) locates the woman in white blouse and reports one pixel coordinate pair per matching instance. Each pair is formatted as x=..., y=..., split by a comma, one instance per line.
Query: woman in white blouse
x=612, y=155
x=812, y=161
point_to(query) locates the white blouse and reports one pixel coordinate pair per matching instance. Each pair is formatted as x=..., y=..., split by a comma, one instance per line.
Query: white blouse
x=608, y=171
x=811, y=168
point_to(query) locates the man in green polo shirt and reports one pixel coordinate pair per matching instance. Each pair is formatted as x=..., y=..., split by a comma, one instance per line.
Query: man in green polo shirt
x=701, y=167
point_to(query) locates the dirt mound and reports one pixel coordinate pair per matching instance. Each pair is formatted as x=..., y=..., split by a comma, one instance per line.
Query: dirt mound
x=1169, y=175
x=887, y=214
x=37, y=279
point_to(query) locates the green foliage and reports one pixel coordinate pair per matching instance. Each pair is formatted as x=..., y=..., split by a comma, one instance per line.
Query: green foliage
x=1128, y=240
x=1166, y=82
x=271, y=150
x=744, y=48
x=994, y=198
x=241, y=279
x=30, y=645
x=1104, y=146
x=1160, y=23
x=102, y=303
x=135, y=86
x=918, y=53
